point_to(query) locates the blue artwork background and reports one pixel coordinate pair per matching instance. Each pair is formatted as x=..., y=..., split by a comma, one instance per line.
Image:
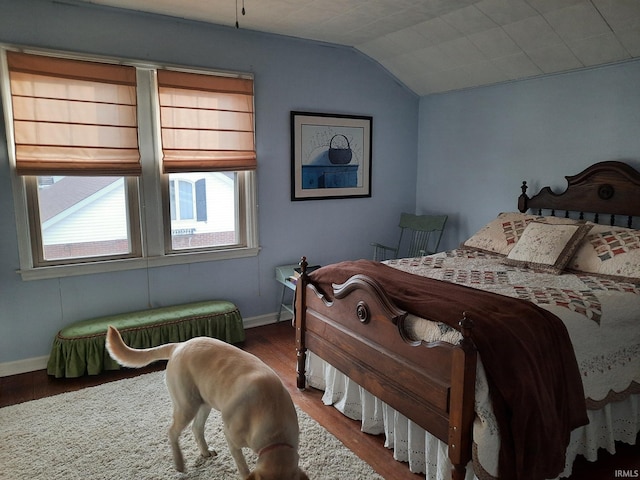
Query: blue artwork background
x=318, y=170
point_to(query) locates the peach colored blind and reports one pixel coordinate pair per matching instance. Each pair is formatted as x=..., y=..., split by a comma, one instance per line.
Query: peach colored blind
x=207, y=122
x=73, y=117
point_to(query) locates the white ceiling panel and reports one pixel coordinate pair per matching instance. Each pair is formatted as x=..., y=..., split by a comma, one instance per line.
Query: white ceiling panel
x=620, y=14
x=495, y=43
x=630, y=40
x=504, y=12
x=436, y=46
x=517, y=66
x=598, y=50
x=436, y=31
x=533, y=33
x=554, y=59
x=469, y=20
x=577, y=22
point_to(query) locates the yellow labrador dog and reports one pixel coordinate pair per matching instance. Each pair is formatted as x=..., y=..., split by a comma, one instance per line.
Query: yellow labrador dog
x=257, y=411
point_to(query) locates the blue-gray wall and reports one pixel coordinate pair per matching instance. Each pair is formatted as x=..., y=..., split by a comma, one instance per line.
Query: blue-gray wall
x=289, y=75
x=463, y=153
x=477, y=146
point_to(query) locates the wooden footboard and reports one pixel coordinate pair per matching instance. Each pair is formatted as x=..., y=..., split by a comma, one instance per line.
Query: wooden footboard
x=361, y=333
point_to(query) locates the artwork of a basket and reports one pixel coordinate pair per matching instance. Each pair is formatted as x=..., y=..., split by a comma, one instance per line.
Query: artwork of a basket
x=340, y=155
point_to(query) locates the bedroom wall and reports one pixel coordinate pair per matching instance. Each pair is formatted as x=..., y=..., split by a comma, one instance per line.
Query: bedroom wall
x=289, y=75
x=477, y=146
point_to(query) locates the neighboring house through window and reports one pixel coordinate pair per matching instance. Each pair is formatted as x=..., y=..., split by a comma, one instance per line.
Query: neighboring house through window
x=202, y=211
x=183, y=200
x=83, y=217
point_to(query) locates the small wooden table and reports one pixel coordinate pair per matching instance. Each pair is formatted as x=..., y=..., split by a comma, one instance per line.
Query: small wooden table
x=283, y=274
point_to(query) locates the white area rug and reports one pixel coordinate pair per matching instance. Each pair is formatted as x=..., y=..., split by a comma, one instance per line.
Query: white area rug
x=118, y=431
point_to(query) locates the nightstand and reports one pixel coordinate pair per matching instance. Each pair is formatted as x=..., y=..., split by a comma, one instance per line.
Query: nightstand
x=283, y=273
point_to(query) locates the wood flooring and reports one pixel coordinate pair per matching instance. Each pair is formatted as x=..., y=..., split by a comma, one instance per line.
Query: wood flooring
x=274, y=344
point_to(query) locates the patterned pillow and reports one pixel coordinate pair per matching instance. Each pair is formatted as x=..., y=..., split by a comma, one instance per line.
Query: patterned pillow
x=547, y=247
x=500, y=235
x=609, y=251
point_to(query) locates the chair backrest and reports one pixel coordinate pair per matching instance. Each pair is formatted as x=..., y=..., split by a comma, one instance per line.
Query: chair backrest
x=425, y=231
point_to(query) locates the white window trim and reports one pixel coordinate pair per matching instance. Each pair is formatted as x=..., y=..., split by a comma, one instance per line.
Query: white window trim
x=150, y=184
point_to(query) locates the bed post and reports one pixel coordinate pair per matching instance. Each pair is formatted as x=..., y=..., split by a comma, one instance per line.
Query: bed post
x=461, y=406
x=299, y=317
x=523, y=199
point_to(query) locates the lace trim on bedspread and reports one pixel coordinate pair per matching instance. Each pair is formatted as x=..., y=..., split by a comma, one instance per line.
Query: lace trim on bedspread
x=612, y=396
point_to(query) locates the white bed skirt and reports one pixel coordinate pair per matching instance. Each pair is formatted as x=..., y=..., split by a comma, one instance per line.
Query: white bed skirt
x=619, y=421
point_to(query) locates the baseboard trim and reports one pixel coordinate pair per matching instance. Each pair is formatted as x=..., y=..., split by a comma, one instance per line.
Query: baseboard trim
x=40, y=363
x=265, y=320
x=23, y=366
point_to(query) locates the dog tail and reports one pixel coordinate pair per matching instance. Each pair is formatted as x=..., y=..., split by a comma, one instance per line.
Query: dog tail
x=132, y=357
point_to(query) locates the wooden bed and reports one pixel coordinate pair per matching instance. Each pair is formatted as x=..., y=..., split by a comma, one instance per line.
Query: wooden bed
x=360, y=330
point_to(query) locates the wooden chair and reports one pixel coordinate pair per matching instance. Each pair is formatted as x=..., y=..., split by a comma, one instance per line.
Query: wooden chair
x=425, y=232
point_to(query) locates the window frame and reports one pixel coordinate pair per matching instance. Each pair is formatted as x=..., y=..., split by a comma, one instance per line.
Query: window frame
x=153, y=222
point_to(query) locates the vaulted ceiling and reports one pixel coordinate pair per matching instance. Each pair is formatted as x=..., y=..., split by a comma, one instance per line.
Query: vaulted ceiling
x=439, y=45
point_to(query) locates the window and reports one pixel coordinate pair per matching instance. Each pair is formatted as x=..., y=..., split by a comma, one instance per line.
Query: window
x=183, y=200
x=93, y=140
x=202, y=209
x=206, y=133
x=81, y=217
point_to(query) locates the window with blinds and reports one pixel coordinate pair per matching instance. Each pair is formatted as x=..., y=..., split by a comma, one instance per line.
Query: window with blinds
x=207, y=126
x=78, y=159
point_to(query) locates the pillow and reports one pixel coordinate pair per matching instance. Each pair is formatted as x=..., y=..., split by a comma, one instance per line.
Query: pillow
x=547, y=247
x=500, y=235
x=611, y=252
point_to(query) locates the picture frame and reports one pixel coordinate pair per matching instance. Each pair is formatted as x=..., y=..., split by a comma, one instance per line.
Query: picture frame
x=330, y=156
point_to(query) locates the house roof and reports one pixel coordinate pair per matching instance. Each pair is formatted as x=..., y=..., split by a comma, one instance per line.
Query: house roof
x=67, y=192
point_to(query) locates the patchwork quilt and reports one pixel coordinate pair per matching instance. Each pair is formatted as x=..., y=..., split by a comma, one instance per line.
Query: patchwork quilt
x=602, y=316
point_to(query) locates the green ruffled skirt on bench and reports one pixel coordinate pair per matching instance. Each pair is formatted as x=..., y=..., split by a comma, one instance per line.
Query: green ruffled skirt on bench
x=79, y=349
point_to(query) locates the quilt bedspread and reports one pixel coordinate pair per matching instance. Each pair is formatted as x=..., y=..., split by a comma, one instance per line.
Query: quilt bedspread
x=602, y=315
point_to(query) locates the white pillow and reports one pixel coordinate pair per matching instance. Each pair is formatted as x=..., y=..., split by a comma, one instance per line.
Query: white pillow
x=547, y=247
x=500, y=235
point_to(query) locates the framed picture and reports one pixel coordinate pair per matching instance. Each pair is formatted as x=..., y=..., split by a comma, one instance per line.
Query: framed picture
x=330, y=156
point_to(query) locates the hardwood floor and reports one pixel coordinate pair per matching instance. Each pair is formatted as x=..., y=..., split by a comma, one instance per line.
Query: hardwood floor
x=274, y=344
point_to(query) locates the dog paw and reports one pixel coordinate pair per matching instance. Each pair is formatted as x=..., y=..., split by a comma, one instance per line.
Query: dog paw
x=210, y=453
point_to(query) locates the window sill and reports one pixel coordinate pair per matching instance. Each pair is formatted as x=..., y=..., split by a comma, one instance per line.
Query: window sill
x=60, y=271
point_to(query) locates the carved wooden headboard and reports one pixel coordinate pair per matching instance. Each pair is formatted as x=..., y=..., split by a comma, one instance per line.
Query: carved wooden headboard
x=610, y=188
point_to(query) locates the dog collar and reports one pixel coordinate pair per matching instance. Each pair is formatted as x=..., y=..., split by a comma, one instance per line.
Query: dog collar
x=273, y=446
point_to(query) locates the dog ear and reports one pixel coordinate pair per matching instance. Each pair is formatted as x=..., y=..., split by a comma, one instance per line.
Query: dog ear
x=252, y=476
x=303, y=476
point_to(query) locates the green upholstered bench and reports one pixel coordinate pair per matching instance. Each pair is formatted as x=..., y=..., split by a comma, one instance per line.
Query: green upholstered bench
x=78, y=349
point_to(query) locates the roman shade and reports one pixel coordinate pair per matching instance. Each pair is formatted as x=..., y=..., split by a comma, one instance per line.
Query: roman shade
x=73, y=117
x=207, y=122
